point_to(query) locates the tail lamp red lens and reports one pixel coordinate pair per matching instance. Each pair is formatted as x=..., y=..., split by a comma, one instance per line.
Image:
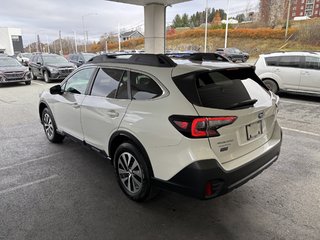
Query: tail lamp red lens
x=199, y=127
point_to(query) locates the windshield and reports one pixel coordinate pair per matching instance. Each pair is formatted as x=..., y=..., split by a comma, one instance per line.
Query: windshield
x=9, y=62
x=88, y=56
x=54, y=59
x=26, y=55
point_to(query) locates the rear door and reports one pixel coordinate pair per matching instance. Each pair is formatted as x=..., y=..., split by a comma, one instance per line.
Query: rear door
x=236, y=93
x=289, y=70
x=310, y=75
x=103, y=109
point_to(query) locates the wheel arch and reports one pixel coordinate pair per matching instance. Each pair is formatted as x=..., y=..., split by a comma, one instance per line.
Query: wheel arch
x=42, y=106
x=120, y=137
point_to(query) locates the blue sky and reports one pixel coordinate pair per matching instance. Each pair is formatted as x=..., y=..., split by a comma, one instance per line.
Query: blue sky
x=47, y=17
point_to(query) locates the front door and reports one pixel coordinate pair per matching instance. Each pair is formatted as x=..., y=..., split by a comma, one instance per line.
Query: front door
x=68, y=106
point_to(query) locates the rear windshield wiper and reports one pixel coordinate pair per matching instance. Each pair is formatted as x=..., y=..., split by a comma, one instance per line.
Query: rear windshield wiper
x=244, y=103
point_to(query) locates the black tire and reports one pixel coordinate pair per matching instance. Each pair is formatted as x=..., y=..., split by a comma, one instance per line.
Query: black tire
x=133, y=173
x=244, y=59
x=46, y=76
x=27, y=82
x=50, y=128
x=271, y=85
x=33, y=77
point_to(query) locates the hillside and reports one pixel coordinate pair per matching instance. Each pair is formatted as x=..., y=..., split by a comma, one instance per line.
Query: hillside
x=302, y=37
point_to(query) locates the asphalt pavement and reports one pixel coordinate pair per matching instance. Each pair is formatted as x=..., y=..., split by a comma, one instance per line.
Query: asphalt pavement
x=65, y=191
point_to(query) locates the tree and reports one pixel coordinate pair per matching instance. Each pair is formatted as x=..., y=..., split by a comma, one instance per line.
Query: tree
x=185, y=20
x=177, y=21
x=240, y=17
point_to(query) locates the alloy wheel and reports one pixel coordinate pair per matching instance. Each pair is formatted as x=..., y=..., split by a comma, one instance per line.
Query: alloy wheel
x=48, y=125
x=130, y=172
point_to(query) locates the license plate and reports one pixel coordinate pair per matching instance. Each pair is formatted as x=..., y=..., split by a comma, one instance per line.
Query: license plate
x=254, y=130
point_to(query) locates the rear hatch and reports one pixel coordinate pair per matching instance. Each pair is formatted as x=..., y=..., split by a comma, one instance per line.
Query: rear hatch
x=233, y=92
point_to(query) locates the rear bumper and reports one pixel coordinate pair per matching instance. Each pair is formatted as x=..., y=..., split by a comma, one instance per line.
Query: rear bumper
x=193, y=179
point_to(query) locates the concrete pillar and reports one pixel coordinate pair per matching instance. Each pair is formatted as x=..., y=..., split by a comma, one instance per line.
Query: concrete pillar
x=154, y=28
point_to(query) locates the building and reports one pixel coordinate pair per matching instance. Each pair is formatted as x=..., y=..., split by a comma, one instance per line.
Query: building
x=130, y=35
x=309, y=8
x=10, y=40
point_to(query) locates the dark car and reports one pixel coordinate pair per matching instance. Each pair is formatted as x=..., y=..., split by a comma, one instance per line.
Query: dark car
x=234, y=54
x=50, y=67
x=80, y=58
x=199, y=56
x=12, y=71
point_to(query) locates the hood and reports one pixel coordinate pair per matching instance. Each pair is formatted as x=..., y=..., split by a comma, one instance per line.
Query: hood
x=13, y=69
x=60, y=65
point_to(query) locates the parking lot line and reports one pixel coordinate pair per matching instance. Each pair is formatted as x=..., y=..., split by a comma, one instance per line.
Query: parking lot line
x=29, y=161
x=299, y=131
x=28, y=184
x=38, y=83
x=301, y=103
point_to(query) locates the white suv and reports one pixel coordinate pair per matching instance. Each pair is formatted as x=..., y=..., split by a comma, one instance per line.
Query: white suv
x=290, y=71
x=197, y=130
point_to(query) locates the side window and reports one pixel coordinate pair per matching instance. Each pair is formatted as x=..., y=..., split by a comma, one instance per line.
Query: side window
x=272, y=61
x=289, y=61
x=312, y=63
x=143, y=87
x=79, y=81
x=107, y=82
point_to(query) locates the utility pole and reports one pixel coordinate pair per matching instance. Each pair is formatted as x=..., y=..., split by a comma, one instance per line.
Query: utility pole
x=75, y=41
x=227, y=26
x=288, y=17
x=48, y=44
x=206, y=29
x=61, y=52
x=119, y=37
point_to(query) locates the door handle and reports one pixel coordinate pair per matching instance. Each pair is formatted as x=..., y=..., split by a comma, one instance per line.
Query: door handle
x=75, y=105
x=113, y=114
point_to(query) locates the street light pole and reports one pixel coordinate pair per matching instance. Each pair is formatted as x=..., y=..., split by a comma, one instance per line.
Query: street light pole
x=85, y=33
x=206, y=29
x=227, y=26
x=288, y=16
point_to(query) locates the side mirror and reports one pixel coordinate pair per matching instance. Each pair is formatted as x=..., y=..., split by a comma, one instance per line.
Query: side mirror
x=81, y=61
x=56, y=89
x=39, y=63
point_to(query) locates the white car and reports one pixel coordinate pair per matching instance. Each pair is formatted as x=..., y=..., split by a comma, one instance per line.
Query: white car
x=197, y=130
x=290, y=71
x=24, y=58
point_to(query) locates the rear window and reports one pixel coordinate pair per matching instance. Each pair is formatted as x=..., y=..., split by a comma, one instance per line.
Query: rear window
x=223, y=89
x=272, y=61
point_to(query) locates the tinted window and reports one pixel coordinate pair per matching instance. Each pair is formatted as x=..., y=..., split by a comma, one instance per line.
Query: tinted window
x=79, y=81
x=223, y=89
x=289, y=61
x=143, y=87
x=272, y=61
x=312, y=63
x=106, y=82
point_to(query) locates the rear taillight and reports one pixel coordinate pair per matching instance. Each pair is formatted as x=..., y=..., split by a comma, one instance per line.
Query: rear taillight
x=200, y=127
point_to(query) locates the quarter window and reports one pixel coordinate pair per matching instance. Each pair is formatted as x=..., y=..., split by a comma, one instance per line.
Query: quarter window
x=143, y=87
x=312, y=63
x=79, y=81
x=107, y=82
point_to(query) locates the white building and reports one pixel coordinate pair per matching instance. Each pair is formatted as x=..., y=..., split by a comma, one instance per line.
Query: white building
x=10, y=40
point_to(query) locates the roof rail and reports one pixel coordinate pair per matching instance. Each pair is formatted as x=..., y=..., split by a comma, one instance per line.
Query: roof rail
x=155, y=60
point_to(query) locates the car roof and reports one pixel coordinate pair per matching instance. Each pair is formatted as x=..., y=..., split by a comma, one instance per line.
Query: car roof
x=175, y=68
x=301, y=53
